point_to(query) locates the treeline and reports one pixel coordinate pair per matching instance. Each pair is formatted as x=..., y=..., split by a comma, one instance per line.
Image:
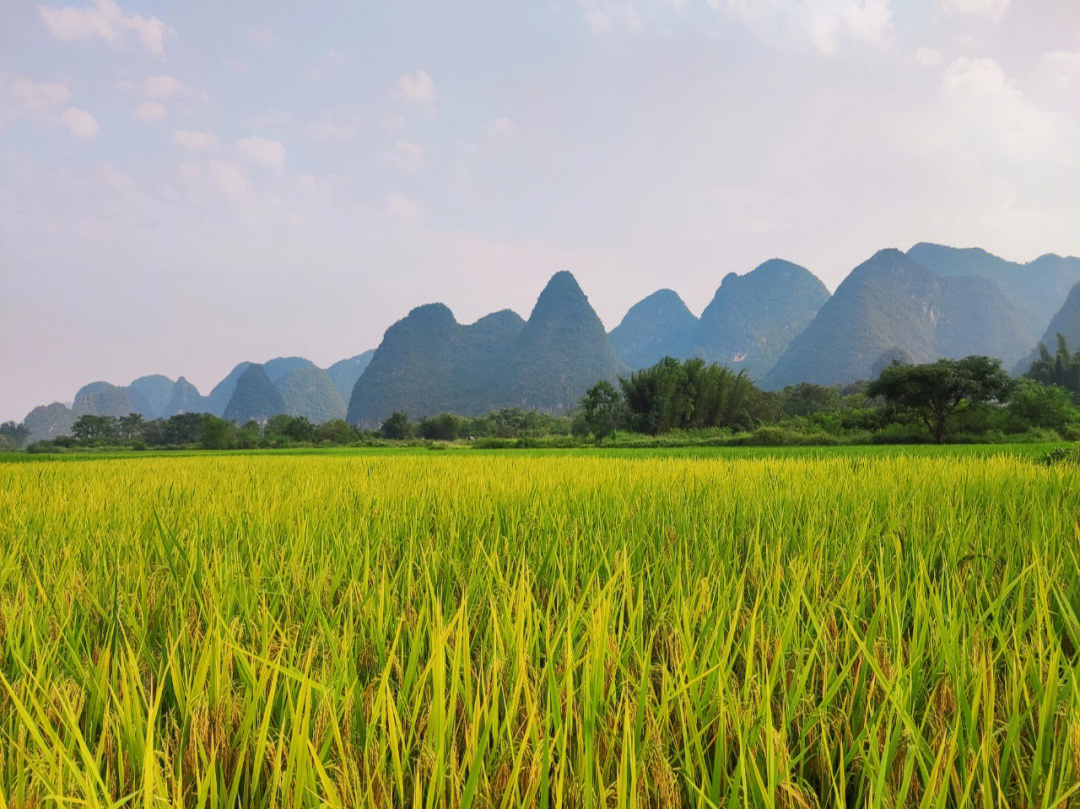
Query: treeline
x=971, y=399
x=204, y=431
x=677, y=402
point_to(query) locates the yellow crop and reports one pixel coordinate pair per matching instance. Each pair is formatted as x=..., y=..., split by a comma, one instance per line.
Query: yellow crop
x=470, y=630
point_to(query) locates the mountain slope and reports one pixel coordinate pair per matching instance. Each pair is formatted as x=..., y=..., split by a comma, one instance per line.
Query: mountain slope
x=344, y=373
x=891, y=303
x=655, y=327
x=309, y=392
x=185, y=398
x=279, y=366
x=218, y=398
x=102, y=399
x=428, y=363
x=1066, y=322
x=49, y=421
x=753, y=318
x=562, y=350
x=254, y=397
x=1035, y=290
x=150, y=394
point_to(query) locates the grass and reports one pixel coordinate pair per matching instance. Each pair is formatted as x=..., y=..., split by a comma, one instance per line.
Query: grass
x=720, y=628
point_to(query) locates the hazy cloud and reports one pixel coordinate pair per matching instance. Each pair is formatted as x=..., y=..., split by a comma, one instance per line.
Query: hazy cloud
x=403, y=155
x=991, y=9
x=331, y=59
x=417, y=87
x=261, y=36
x=821, y=23
x=196, y=141
x=80, y=122
x=263, y=151
x=149, y=111
x=105, y=20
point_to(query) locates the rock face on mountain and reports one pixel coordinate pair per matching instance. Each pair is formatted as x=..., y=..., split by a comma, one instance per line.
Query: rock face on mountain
x=185, y=398
x=562, y=350
x=219, y=396
x=279, y=366
x=344, y=373
x=656, y=327
x=1034, y=290
x=254, y=397
x=309, y=392
x=102, y=399
x=1066, y=322
x=150, y=394
x=428, y=363
x=49, y=421
x=753, y=318
x=891, y=303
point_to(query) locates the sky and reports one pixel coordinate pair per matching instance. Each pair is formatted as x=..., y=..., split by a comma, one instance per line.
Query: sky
x=188, y=185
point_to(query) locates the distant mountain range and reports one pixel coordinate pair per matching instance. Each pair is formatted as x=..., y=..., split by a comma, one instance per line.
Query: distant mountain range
x=777, y=323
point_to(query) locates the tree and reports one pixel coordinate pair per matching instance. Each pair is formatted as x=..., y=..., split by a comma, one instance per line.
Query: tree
x=337, y=431
x=600, y=408
x=12, y=435
x=938, y=391
x=1061, y=369
x=95, y=430
x=396, y=427
x=130, y=426
x=1033, y=404
x=443, y=427
x=217, y=433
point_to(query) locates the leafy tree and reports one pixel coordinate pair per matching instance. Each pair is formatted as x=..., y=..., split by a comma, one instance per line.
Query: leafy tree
x=1061, y=369
x=293, y=428
x=95, y=430
x=938, y=391
x=337, y=431
x=12, y=435
x=130, y=426
x=443, y=427
x=396, y=427
x=692, y=395
x=1032, y=404
x=601, y=407
x=217, y=433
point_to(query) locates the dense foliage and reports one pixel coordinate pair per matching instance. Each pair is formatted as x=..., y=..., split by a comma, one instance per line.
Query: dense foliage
x=1062, y=369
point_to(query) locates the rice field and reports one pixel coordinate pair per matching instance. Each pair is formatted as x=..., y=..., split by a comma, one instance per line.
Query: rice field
x=503, y=630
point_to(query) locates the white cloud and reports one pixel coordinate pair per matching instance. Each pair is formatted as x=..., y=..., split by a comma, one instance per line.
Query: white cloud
x=107, y=21
x=332, y=58
x=988, y=112
x=45, y=103
x=991, y=9
x=196, y=141
x=230, y=180
x=262, y=36
x=21, y=97
x=404, y=155
x=342, y=127
x=602, y=15
x=149, y=111
x=928, y=57
x=1064, y=67
x=401, y=206
x=264, y=151
x=80, y=122
x=499, y=126
x=417, y=87
x=821, y=23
